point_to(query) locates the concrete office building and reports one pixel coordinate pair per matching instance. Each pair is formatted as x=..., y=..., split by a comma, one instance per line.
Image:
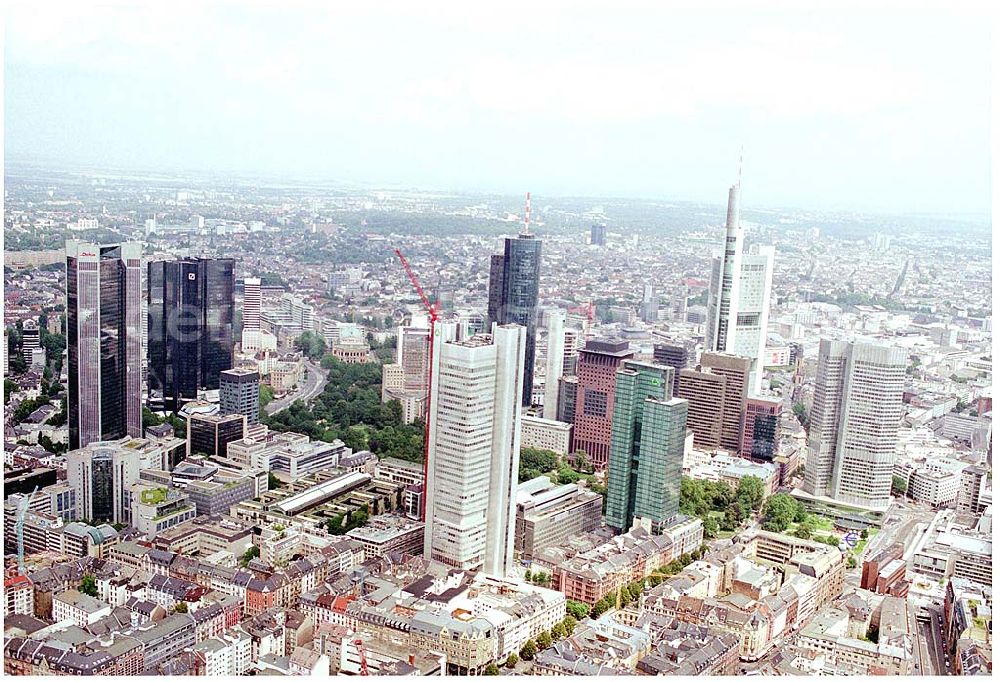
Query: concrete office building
x=595, y=397
x=761, y=429
x=104, y=342
x=649, y=309
x=706, y=395
x=736, y=371
x=30, y=340
x=190, y=335
x=672, y=355
x=647, y=448
x=545, y=434
x=566, y=408
x=854, y=423
x=239, y=393
x=406, y=379
x=739, y=296
x=210, y=434
x=547, y=515
x=101, y=474
x=474, y=448
x=554, y=357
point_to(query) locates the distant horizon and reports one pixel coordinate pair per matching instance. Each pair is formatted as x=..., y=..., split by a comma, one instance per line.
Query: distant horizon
x=275, y=178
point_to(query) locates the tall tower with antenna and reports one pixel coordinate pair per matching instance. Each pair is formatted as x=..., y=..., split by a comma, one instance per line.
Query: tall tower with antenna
x=513, y=292
x=739, y=295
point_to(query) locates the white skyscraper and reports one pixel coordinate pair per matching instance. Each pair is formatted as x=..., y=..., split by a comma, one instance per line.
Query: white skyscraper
x=474, y=448
x=854, y=422
x=740, y=295
x=554, y=362
x=251, y=314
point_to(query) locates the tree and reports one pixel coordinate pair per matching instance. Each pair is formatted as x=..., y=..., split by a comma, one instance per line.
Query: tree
x=750, y=492
x=88, y=585
x=544, y=640
x=250, y=554
x=569, y=625
x=492, y=669
x=558, y=630
x=511, y=661
x=528, y=651
x=711, y=527
x=311, y=345
x=181, y=607
x=527, y=576
x=780, y=511
x=899, y=486
x=273, y=482
x=852, y=562
x=577, y=609
x=800, y=413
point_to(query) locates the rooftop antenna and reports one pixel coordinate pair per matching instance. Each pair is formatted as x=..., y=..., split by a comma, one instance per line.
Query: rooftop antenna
x=739, y=173
x=527, y=213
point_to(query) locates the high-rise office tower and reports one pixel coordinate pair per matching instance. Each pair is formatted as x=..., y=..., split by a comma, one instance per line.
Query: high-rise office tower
x=673, y=355
x=413, y=354
x=191, y=304
x=251, y=313
x=406, y=379
x=706, y=396
x=30, y=339
x=761, y=428
x=854, y=422
x=514, y=295
x=680, y=307
x=103, y=341
x=474, y=448
x=595, y=397
x=739, y=296
x=647, y=448
x=554, y=362
x=211, y=434
x=239, y=393
x=571, y=350
x=598, y=234
x=736, y=371
x=566, y=408
x=649, y=308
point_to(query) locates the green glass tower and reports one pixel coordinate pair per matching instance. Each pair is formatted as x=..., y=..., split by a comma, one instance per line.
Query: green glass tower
x=647, y=448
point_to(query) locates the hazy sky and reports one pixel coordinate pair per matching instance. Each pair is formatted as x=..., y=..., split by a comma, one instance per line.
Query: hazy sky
x=882, y=111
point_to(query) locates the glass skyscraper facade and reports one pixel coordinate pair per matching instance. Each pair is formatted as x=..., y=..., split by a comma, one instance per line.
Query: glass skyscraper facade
x=104, y=341
x=647, y=448
x=190, y=336
x=513, y=295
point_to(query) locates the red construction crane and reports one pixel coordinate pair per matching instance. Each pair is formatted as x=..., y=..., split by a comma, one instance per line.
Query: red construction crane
x=432, y=313
x=360, y=646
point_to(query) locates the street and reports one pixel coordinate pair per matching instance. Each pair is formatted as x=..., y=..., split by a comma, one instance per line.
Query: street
x=311, y=387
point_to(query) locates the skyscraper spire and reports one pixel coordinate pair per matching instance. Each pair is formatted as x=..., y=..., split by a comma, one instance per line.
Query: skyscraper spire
x=739, y=172
x=527, y=214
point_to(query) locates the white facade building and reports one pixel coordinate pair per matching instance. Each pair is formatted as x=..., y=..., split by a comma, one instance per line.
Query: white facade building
x=545, y=434
x=554, y=362
x=474, y=448
x=854, y=423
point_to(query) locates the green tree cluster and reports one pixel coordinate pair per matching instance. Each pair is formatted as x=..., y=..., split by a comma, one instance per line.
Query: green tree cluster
x=706, y=499
x=311, y=345
x=339, y=526
x=352, y=398
x=88, y=585
x=780, y=511
x=535, y=462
